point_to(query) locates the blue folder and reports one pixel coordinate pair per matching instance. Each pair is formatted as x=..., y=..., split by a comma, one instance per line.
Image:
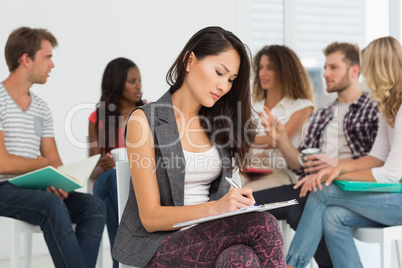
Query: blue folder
x=363, y=186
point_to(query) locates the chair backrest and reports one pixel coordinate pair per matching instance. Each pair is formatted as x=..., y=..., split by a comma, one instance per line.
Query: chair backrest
x=236, y=176
x=123, y=181
x=123, y=178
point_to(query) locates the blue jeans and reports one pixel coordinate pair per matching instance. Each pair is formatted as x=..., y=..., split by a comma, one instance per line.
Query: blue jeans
x=334, y=212
x=105, y=188
x=68, y=248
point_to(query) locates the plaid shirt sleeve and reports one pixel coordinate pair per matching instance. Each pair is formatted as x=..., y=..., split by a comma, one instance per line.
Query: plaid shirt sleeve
x=361, y=125
x=316, y=125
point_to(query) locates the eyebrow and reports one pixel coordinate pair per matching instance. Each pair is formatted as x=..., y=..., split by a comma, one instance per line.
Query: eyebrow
x=227, y=70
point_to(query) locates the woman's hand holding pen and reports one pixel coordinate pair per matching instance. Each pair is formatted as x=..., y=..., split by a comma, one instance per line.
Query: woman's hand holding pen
x=235, y=199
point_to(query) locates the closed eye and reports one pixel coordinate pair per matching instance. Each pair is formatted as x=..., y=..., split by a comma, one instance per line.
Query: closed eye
x=218, y=73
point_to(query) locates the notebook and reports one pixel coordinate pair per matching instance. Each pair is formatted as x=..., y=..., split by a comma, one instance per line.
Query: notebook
x=363, y=186
x=68, y=177
x=249, y=209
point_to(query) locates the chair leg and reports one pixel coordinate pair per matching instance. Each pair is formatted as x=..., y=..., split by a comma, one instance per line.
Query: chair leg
x=15, y=246
x=385, y=254
x=287, y=235
x=99, y=260
x=398, y=252
x=28, y=250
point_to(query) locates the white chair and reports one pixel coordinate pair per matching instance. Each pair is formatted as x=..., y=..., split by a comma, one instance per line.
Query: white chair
x=123, y=178
x=384, y=236
x=17, y=228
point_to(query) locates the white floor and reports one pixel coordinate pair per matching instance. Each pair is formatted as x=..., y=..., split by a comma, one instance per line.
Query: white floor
x=44, y=261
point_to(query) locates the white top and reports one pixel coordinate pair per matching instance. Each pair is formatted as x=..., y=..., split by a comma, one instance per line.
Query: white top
x=388, y=148
x=23, y=130
x=334, y=138
x=283, y=110
x=201, y=170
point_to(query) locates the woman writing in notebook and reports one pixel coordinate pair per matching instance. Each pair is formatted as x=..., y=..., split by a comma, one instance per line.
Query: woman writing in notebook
x=180, y=149
x=334, y=212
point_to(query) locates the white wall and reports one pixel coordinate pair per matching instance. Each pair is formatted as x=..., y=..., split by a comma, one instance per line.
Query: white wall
x=91, y=33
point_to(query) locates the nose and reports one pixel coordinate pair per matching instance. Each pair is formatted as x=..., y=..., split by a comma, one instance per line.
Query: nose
x=51, y=64
x=224, y=86
x=325, y=74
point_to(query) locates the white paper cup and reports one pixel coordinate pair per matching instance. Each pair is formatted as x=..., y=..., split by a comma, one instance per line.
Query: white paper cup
x=306, y=152
x=119, y=154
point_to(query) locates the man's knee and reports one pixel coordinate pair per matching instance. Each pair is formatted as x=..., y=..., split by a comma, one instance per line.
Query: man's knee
x=96, y=205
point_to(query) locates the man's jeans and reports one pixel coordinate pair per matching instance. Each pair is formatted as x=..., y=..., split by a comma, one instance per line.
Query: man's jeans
x=335, y=212
x=67, y=247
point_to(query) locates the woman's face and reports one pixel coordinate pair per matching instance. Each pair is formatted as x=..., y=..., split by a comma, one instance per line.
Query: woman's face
x=132, y=88
x=266, y=73
x=212, y=77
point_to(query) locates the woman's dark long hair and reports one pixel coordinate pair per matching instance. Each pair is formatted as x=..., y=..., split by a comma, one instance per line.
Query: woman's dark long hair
x=108, y=109
x=229, y=122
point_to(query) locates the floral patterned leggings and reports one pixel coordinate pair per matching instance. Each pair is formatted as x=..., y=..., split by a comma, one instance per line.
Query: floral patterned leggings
x=246, y=240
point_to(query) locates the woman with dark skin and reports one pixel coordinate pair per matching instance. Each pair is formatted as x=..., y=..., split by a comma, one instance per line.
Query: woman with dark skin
x=121, y=93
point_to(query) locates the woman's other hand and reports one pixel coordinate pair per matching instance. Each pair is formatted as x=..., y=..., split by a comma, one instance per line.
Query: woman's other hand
x=106, y=162
x=272, y=127
x=317, y=162
x=314, y=181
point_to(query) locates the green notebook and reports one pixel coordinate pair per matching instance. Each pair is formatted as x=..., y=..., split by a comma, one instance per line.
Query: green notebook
x=67, y=177
x=369, y=186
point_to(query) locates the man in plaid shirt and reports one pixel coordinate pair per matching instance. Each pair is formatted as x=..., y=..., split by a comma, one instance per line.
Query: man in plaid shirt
x=343, y=129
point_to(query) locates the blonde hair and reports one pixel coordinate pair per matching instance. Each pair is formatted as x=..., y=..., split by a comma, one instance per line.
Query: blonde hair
x=382, y=69
x=290, y=73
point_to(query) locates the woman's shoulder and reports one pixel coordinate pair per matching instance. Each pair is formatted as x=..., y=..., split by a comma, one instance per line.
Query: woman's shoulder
x=93, y=117
x=296, y=104
x=137, y=113
x=302, y=102
x=258, y=106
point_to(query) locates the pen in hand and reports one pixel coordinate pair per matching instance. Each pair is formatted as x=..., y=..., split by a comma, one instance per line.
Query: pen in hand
x=234, y=185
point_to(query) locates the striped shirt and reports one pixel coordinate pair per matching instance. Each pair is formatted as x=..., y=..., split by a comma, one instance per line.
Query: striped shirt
x=23, y=130
x=360, y=126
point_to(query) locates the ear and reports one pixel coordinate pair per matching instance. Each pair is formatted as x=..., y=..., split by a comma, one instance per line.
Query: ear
x=355, y=70
x=25, y=60
x=191, y=60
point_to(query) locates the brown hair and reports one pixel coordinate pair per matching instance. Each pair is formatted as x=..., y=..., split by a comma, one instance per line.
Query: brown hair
x=113, y=83
x=289, y=71
x=351, y=52
x=25, y=40
x=382, y=70
x=235, y=105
